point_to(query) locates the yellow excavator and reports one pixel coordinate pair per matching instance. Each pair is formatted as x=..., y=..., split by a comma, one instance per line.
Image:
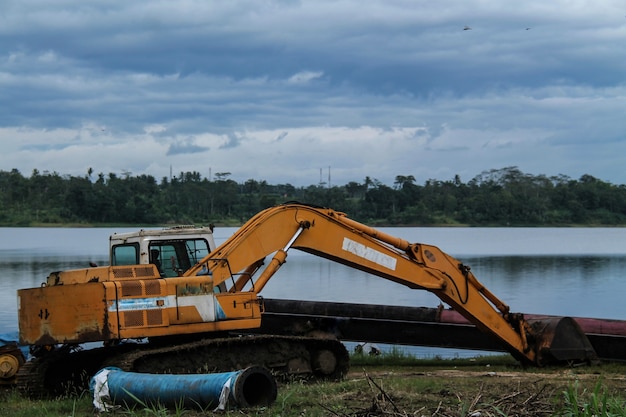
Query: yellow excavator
x=196, y=319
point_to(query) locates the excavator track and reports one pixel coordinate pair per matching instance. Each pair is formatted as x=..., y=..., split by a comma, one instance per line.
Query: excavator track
x=59, y=372
x=287, y=358
x=11, y=359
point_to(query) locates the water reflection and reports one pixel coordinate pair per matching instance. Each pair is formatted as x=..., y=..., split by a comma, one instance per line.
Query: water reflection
x=513, y=268
x=35, y=270
x=584, y=286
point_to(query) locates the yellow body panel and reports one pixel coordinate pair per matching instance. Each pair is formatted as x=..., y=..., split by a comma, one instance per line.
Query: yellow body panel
x=63, y=314
x=128, y=308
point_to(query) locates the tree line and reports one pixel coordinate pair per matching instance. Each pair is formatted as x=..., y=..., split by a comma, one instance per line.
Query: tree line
x=497, y=197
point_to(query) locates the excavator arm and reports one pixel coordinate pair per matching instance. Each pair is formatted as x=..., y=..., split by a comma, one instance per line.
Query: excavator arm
x=238, y=265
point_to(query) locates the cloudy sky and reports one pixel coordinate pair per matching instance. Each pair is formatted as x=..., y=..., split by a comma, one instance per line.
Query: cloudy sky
x=292, y=91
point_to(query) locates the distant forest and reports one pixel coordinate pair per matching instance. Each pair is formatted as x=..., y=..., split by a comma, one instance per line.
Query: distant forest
x=498, y=197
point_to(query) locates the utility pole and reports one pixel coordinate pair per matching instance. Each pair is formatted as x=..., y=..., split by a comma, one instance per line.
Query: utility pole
x=328, y=176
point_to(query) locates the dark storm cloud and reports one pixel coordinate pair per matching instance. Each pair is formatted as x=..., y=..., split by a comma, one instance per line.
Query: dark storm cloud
x=185, y=147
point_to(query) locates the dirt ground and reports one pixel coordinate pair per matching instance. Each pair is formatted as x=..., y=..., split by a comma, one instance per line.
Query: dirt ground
x=461, y=392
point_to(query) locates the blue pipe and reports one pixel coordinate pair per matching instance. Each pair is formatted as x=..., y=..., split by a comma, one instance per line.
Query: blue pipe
x=250, y=387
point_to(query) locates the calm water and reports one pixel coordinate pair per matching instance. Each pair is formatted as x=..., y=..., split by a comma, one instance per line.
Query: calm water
x=560, y=271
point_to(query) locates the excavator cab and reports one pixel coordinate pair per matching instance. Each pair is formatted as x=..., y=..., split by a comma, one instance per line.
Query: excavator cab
x=172, y=250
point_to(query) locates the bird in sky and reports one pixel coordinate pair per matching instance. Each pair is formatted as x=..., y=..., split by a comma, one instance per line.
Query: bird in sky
x=467, y=28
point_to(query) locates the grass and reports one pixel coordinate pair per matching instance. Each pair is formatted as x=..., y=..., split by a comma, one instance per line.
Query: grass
x=13, y=404
x=597, y=403
x=395, y=384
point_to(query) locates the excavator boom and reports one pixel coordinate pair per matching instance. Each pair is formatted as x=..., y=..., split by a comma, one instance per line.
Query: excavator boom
x=332, y=235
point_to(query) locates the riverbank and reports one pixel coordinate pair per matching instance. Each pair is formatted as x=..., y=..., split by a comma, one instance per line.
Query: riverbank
x=477, y=387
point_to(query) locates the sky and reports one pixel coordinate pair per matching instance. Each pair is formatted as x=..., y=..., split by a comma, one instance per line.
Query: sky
x=309, y=92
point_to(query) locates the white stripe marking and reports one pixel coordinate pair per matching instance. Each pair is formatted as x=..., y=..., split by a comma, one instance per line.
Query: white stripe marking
x=368, y=253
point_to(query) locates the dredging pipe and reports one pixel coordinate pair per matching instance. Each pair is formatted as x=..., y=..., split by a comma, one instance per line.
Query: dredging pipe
x=251, y=387
x=416, y=326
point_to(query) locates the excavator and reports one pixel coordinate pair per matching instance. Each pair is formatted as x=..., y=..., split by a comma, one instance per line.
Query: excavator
x=182, y=305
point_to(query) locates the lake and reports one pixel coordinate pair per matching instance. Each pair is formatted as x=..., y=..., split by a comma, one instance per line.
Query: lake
x=557, y=271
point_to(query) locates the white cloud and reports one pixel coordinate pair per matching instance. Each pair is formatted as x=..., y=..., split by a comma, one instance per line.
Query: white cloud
x=304, y=77
x=155, y=128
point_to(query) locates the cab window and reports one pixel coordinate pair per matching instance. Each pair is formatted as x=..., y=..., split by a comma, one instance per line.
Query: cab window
x=177, y=256
x=197, y=250
x=125, y=254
